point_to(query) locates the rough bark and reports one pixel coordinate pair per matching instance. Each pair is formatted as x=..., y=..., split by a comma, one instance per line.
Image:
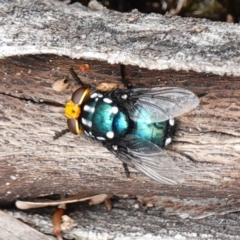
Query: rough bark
x=13, y=229
x=128, y=221
x=206, y=145
x=151, y=41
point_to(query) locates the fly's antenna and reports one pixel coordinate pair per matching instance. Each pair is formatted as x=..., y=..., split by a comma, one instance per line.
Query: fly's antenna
x=76, y=78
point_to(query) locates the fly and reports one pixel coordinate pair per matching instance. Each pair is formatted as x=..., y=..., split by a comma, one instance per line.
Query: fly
x=134, y=124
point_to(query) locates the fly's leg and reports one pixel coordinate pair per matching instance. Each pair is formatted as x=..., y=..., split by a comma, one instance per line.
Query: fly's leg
x=125, y=166
x=60, y=134
x=109, y=146
x=126, y=83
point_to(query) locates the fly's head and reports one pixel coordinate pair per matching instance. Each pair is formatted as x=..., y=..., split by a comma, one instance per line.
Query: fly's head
x=73, y=109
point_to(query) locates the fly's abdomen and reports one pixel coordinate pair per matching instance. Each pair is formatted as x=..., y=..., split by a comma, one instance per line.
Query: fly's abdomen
x=103, y=119
x=154, y=132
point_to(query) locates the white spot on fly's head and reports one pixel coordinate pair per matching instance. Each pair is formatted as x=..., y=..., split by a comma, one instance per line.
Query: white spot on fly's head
x=96, y=99
x=110, y=134
x=90, y=134
x=168, y=140
x=124, y=96
x=99, y=95
x=94, y=95
x=107, y=100
x=114, y=110
x=171, y=121
x=115, y=147
x=88, y=109
x=86, y=122
x=101, y=138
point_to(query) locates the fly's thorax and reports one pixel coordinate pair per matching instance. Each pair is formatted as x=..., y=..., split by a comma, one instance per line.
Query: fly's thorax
x=102, y=118
x=99, y=116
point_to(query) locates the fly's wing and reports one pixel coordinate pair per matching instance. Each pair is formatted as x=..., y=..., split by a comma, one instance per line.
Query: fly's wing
x=159, y=104
x=147, y=158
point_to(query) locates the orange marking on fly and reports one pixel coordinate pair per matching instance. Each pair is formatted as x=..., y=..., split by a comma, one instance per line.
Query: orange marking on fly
x=73, y=109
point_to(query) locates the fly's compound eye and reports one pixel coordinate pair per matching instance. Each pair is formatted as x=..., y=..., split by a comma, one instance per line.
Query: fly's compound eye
x=80, y=95
x=74, y=127
x=73, y=106
x=73, y=109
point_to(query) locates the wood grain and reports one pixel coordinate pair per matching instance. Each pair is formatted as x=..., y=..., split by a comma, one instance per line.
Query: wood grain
x=13, y=229
x=206, y=145
x=183, y=52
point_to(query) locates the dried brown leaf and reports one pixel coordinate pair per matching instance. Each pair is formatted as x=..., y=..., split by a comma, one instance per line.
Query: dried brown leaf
x=106, y=86
x=100, y=198
x=108, y=204
x=67, y=223
x=45, y=203
x=57, y=221
x=60, y=85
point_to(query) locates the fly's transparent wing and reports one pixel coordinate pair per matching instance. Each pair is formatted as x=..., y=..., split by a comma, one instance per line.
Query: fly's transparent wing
x=147, y=158
x=160, y=104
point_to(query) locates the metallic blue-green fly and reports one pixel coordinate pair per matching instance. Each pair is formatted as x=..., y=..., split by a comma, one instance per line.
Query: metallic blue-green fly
x=134, y=124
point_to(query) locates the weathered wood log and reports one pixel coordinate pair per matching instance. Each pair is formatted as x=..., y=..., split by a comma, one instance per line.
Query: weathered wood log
x=13, y=229
x=206, y=145
x=127, y=220
x=150, y=41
